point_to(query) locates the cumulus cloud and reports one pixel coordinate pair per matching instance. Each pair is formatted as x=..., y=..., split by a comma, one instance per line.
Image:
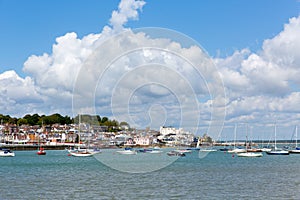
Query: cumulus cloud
x=266, y=81
x=156, y=83
x=127, y=10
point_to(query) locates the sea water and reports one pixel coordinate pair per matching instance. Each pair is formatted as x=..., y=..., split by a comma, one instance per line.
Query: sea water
x=217, y=175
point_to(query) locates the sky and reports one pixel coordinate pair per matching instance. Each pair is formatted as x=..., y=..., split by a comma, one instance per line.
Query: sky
x=253, y=44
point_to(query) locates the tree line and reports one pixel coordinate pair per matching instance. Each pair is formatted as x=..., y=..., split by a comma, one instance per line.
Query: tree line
x=56, y=118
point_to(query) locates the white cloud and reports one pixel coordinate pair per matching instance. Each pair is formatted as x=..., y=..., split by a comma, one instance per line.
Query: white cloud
x=266, y=81
x=127, y=10
x=256, y=83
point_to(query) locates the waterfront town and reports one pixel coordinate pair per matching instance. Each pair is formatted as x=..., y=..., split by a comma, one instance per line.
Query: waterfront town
x=101, y=135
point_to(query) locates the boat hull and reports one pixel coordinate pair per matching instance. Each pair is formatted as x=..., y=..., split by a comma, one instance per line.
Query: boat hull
x=81, y=154
x=249, y=154
x=237, y=151
x=277, y=152
x=7, y=154
x=208, y=150
x=176, y=153
x=294, y=151
x=127, y=152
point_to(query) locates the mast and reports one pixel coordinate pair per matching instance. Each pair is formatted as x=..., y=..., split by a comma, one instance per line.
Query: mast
x=234, y=136
x=246, y=137
x=275, y=135
x=296, y=136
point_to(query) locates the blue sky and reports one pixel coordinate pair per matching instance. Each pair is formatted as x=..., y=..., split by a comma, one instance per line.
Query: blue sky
x=254, y=44
x=30, y=27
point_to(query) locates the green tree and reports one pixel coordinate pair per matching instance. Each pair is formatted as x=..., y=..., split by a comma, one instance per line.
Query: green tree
x=22, y=121
x=104, y=119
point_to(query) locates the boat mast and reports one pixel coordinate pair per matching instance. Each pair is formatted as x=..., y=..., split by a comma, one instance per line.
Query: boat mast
x=246, y=136
x=275, y=135
x=234, y=136
x=296, y=136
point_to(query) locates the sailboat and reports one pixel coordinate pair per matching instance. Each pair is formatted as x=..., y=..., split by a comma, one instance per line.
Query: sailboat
x=275, y=150
x=197, y=148
x=235, y=149
x=247, y=153
x=81, y=152
x=296, y=149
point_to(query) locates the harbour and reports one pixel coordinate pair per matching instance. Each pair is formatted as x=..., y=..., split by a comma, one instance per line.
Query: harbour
x=218, y=175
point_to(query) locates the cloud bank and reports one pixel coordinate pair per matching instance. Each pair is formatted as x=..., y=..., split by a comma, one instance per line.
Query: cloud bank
x=260, y=87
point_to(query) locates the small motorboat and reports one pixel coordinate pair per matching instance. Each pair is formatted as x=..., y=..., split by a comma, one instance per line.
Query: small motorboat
x=6, y=153
x=176, y=153
x=127, y=152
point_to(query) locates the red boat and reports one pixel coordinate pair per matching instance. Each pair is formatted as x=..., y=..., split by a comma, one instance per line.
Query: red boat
x=41, y=151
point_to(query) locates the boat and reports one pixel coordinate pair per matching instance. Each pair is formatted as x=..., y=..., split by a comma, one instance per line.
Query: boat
x=252, y=152
x=176, y=153
x=183, y=151
x=208, y=150
x=296, y=149
x=84, y=153
x=155, y=150
x=249, y=154
x=197, y=148
x=127, y=152
x=193, y=148
x=278, y=152
x=266, y=149
x=236, y=149
x=275, y=150
x=6, y=153
x=41, y=151
x=224, y=149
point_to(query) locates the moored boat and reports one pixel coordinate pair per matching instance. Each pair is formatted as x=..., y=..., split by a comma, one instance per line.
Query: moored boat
x=176, y=153
x=249, y=154
x=127, y=152
x=278, y=152
x=183, y=151
x=254, y=150
x=296, y=148
x=237, y=150
x=208, y=150
x=275, y=150
x=6, y=153
x=155, y=151
x=81, y=153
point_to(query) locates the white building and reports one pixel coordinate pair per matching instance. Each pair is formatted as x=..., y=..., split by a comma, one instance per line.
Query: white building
x=175, y=137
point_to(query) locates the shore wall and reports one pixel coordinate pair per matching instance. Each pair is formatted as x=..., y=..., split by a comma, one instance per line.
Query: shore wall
x=27, y=147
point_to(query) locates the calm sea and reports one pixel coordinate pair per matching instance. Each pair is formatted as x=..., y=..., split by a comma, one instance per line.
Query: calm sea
x=217, y=175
